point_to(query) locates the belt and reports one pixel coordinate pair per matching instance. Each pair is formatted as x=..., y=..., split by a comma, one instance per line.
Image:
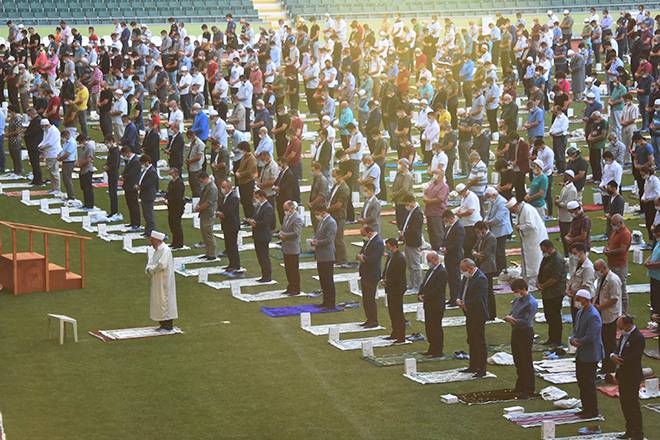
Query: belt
x=69, y=161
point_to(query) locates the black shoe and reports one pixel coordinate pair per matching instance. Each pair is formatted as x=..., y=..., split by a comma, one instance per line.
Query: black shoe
x=451, y=304
x=390, y=338
x=292, y=293
x=263, y=280
x=479, y=374
x=625, y=435
x=467, y=370
x=211, y=258
x=371, y=325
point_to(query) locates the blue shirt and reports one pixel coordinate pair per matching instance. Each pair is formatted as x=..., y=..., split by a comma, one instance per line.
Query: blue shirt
x=643, y=153
x=70, y=147
x=3, y=121
x=655, y=257
x=533, y=116
x=201, y=126
x=467, y=71
x=523, y=310
x=499, y=219
x=587, y=330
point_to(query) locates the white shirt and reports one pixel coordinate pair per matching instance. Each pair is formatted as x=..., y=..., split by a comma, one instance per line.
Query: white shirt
x=431, y=135
x=612, y=171
x=470, y=201
x=119, y=105
x=373, y=171
x=547, y=156
x=221, y=88
x=439, y=160
x=356, y=139
x=560, y=125
x=422, y=120
x=176, y=116
x=184, y=84
x=51, y=144
x=651, y=189
x=244, y=93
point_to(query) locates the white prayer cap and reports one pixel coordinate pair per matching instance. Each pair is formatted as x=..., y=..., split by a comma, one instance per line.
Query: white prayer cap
x=119, y=92
x=491, y=191
x=230, y=126
x=590, y=95
x=362, y=92
x=21, y=26
x=586, y=20
x=196, y=106
x=461, y=187
x=45, y=122
x=573, y=204
x=589, y=79
x=93, y=64
x=11, y=59
x=424, y=101
x=583, y=293
x=566, y=12
x=656, y=102
x=213, y=112
x=157, y=235
x=571, y=52
x=21, y=66
x=184, y=68
x=325, y=118
x=569, y=173
x=538, y=163
x=511, y=203
x=530, y=59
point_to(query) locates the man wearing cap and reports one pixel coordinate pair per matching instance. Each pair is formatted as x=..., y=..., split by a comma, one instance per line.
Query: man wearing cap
x=532, y=231
x=566, y=26
x=499, y=222
x=586, y=337
x=119, y=109
x=163, y=283
x=580, y=229
x=183, y=86
x=469, y=214
x=50, y=148
x=596, y=135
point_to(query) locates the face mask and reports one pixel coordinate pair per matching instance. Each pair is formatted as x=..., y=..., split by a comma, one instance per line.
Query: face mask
x=546, y=255
x=465, y=274
x=578, y=305
x=518, y=295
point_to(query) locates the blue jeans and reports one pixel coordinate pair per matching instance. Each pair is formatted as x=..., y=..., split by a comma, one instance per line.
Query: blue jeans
x=2, y=153
x=643, y=103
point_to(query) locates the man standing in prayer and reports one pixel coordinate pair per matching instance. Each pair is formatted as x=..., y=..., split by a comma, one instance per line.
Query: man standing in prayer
x=586, y=338
x=262, y=229
x=607, y=300
x=394, y=280
x=552, y=283
x=411, y=235
x=474, y=303
x=206, y=207
x=521, y=319
x=369, y=257
x=532, y=231
x=163, y=284
x=432, y=294
x=292, y=225
x=324, y=252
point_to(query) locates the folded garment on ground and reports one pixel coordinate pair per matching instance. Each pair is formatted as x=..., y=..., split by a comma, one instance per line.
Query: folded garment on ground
x=278, y=312
x=601, y=436
x=445, y=376
x=501, y=358
x=553, y=393
x=344, y=327
x=652, y=353
x=491, y=396
x=356, y=344
x=592, y=208
x=391, y=359
x=536, y=348
x=567, y=403
x=613, y=391
x=513, y=252
x=655, y=407
x=560, y=417
x=133, y=333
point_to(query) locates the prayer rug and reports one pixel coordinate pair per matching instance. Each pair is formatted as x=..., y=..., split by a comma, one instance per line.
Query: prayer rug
x=344, y=327
x=559, y=378
x=536, y=348
x=133, y=333
x=638, y=288
x=592, y=208
x=412, y=307
x=279, y=312
x=42, y=192
x=351, y=232
x=305, y=265
x=342, y=277
x=613, y=391
x=100, y=185
x=565, y=319
x=458, y=321
x=561, y=417
x=19, y=185
x=513, y=252
x=602, y=436
x=10, y=177
x=392, y=359
x=647, y=333
x=492, y=396
x=552, y=229
x=194, y=271
x=243, y=282
x=655, y=407
x=268, y=296
x=652, y=353
x=445, y=376
x=356, y=344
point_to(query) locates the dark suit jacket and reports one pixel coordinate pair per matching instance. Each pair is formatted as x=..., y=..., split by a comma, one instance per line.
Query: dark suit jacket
x=412, y=234
x=373, y=252
x=151, y=145
x=631, y=369
x=176, y=147
x=454, y=238
x=487, y=246
x=113, y=162
x=325, y=155
x=175, y=192
x=476, y=295
x=265, y=218
x=395, y=274
x=149, y=185
x=287, y=184
x=373, y=122
x=130, y=137
x=229, y=208
x=433, y=287
x=131, y=174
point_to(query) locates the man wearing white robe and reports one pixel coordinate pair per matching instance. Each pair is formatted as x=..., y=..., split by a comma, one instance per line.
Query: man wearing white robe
x=163, y=286
x=532, y=231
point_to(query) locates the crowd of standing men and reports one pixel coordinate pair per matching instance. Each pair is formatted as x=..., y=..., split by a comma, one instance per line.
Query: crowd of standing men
x=432, y=92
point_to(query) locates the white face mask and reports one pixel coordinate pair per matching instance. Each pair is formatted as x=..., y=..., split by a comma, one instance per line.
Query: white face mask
x=546, y=255
x=578, y=304
x=465, y=274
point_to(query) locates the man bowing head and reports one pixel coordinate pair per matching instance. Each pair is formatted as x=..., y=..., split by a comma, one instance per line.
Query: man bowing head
x=163, y=286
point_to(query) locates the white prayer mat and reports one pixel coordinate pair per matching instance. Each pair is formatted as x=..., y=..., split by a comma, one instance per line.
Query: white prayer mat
x=344, y=327
x=15, y=185
x=445, y=376
x=266, y=296
x=211, y=270
x=121, y=235
x=305, y=188
x=560, y=417
x=356, y=344
x=342, y=277
x=603, y=436
x=554, y=365
x=599, y=249
x=133, y=333
x=250, y=246
x=305, y=265
x=94, y=229
x=242, y=234
x=412, y=307
x=11, y=177
x=181, y=262
x=638, y=288
x=459, y=321
x=241, y=282
x=79, y=218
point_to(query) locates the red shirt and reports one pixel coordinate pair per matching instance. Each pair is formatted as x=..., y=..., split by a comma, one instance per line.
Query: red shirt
x=618, y=239
x=54, y=103
x=155, y=121
x=297, y=126
x=294, y=147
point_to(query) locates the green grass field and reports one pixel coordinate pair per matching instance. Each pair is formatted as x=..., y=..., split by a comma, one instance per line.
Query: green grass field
x=236, y=373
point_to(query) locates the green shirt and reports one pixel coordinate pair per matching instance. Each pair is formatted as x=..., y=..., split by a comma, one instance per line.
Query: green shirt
x=539, y=183
x=617, y=93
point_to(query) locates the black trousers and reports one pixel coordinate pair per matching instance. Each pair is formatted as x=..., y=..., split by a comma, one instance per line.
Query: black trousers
x=231, y=248
x=492, y=305
x=521, y=348
x=559, y=147
x=519, y=184
x=291, y=267
x=326, y=272
x=470, y=240
x=113, y=178
x=500, y=253
x=586, y=377
x=311, y=102
x=629, y=400
x=395, y=310
x=37, y=178
x=261, y=248
x=453, y=279
x=87, y=189
x=167, y=324
x=246, y=193
x=639, y=181
x=552, y=312
x=133, y=207
x=548, y=197
x=649, y=217
x=433, y=314
x=564, y=228
x=148, y=214
x=174, y=221
x=369, y=288
x=608, y=335
x=594, y=161
x=476, y=339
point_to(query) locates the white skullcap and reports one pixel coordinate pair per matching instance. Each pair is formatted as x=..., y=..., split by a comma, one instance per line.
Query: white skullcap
x=590, y=95
x=157, y=235
x=530, y=59
x=491, y=191
x=424, y=101
x=571, y=52
x=566, y=12
x=511, y=203
x=119, y=91
x=45, y=122
x=461, y=187
x=549, y=12
x=573, y=204
x=538, y=163
x=589, y=79
x=11, y=59
x=184, y=68
x=362, y=92
x=656, y=102
x=586, y=20
x=230, y=127
x=583, y=293
x=213, y=112
x=196, y=105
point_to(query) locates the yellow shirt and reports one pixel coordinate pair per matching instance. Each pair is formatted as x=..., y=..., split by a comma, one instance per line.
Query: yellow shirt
x=82, y=97
x=443, y=117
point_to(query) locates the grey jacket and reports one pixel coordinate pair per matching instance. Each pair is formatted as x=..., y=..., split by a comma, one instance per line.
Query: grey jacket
x=326, y=231
x=291, y=228
x=486, y=246
x=371, y=213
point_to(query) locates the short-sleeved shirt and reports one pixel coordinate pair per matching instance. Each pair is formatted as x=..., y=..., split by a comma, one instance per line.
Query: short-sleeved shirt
x=88, y=153
x=195, y=148
x=533, y=116
x=471, y=202
x=539, y=183
x=373, y=171
x=579, y=225
x=577, y=165
x=479, y=171
x=620, y=238
x=599, y=127
x=71, y=148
